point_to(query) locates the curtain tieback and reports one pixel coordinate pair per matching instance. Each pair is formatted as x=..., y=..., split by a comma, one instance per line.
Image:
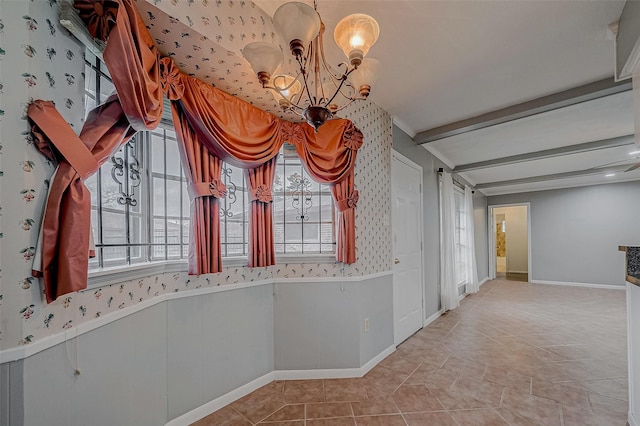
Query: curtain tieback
x=98, y=15
x=47, y=118
x=260, y=193
x=348, y=203
x=215, y=188
x=170, y=79
x=292, y=133
x=353, y=138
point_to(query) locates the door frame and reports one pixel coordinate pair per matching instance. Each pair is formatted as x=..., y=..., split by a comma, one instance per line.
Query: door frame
x=395, y=158
x=492, y=238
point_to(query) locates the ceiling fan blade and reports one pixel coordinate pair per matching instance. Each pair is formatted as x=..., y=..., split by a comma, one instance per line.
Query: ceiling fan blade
x=633, y=167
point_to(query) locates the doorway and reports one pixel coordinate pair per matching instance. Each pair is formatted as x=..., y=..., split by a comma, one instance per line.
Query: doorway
x=408, y=281
x=510, y=242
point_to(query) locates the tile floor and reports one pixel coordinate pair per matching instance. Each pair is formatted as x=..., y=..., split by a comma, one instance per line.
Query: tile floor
x=512, y=354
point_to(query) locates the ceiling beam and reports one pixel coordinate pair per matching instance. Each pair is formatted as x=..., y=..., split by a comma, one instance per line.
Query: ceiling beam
x=588, y=92
x=628, y=40
x=554, y=176
x=548, y=153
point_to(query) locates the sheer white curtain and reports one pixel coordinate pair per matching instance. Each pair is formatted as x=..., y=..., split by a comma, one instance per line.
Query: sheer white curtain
x=470, y=246
x=449, y=298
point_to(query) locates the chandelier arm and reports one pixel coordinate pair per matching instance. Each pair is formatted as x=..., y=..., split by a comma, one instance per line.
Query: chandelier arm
x=329, y=68
x=351, y=100
x=286, y=86
x=336, y=92
x=304, y=79
x=343, y=80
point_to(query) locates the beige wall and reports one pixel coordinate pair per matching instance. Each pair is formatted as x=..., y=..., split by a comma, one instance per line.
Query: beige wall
x=516, y=237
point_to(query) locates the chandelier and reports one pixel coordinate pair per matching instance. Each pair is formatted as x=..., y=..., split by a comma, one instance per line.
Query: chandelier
x=318, y=91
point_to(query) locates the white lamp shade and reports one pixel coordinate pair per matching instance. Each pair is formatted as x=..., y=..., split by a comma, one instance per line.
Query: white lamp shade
x=365, y=74
x=356, y=32
x=297, y=21
x=287, y=86
x=263, y=57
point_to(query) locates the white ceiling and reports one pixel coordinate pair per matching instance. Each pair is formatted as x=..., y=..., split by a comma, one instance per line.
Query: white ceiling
x=443, y=61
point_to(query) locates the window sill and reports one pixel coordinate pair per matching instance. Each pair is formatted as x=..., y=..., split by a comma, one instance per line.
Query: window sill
x=306, y=258
x=119, y=274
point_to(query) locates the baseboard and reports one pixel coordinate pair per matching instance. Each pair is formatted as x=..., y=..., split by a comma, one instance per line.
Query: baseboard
x=632, y=419
x=483, y=281
x=517, y=272
x=226, y=399
x=603, y=286
x=220, y=402
x=334, y=373
x=433, y=317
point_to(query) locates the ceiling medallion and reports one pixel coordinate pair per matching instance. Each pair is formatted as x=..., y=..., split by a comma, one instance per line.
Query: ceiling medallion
x=318, y=91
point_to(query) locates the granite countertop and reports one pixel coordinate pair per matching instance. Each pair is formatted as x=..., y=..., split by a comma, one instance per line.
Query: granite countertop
x=632, y=263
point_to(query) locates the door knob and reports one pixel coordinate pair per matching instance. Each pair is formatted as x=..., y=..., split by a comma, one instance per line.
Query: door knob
x=397, y=261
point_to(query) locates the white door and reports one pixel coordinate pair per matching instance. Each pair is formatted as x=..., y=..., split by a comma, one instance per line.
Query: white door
x=406, y=186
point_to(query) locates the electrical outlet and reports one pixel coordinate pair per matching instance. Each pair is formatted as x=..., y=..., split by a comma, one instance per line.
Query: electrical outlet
x=366, y=325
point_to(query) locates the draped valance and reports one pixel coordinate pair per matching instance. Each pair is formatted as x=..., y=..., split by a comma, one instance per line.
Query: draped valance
x=211, y=126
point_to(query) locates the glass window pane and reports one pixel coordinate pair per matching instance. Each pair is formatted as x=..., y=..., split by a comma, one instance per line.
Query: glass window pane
x=113, y=228
x=173, y=159
x=114, y=256
x=173, y=198
x=158, y=197
x=92, y=185
x=186, y=203
x=110, y=188
x=157, y=152
x=106, y=89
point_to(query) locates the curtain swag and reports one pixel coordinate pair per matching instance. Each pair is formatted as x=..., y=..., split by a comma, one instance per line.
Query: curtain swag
x=211, y=127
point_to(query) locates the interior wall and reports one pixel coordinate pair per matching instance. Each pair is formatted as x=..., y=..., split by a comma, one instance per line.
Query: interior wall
x=517, y=240
x=151, y=366
x=403, y=144
x=42, y=61
x=633, y=339
x=480, y=234
x=575, y=232
x=317, y=324
x=47, y=63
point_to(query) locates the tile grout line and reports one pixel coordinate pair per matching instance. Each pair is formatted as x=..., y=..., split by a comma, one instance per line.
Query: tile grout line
x=501, y=416
x=233, y=408
x=407, y=378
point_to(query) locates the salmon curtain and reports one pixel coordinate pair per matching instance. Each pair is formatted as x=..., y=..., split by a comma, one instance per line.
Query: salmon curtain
x=205, y=190
x=346, y=198
x=330, y=159
x=66, y=226
x=260, y=182
x=241, y=134
x=231, y=129
x=212, y=126
x=67, y=219
x=130, y=56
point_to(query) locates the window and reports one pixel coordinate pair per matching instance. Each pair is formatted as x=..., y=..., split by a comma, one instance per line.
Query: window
x=303, y=212
x=140, y=205
x=460, y=237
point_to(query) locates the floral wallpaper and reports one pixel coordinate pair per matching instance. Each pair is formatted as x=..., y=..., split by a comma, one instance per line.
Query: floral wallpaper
x=41, y=60
x=38, y=59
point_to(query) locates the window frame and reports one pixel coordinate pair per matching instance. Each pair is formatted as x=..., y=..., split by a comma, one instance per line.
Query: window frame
x=108, y=272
